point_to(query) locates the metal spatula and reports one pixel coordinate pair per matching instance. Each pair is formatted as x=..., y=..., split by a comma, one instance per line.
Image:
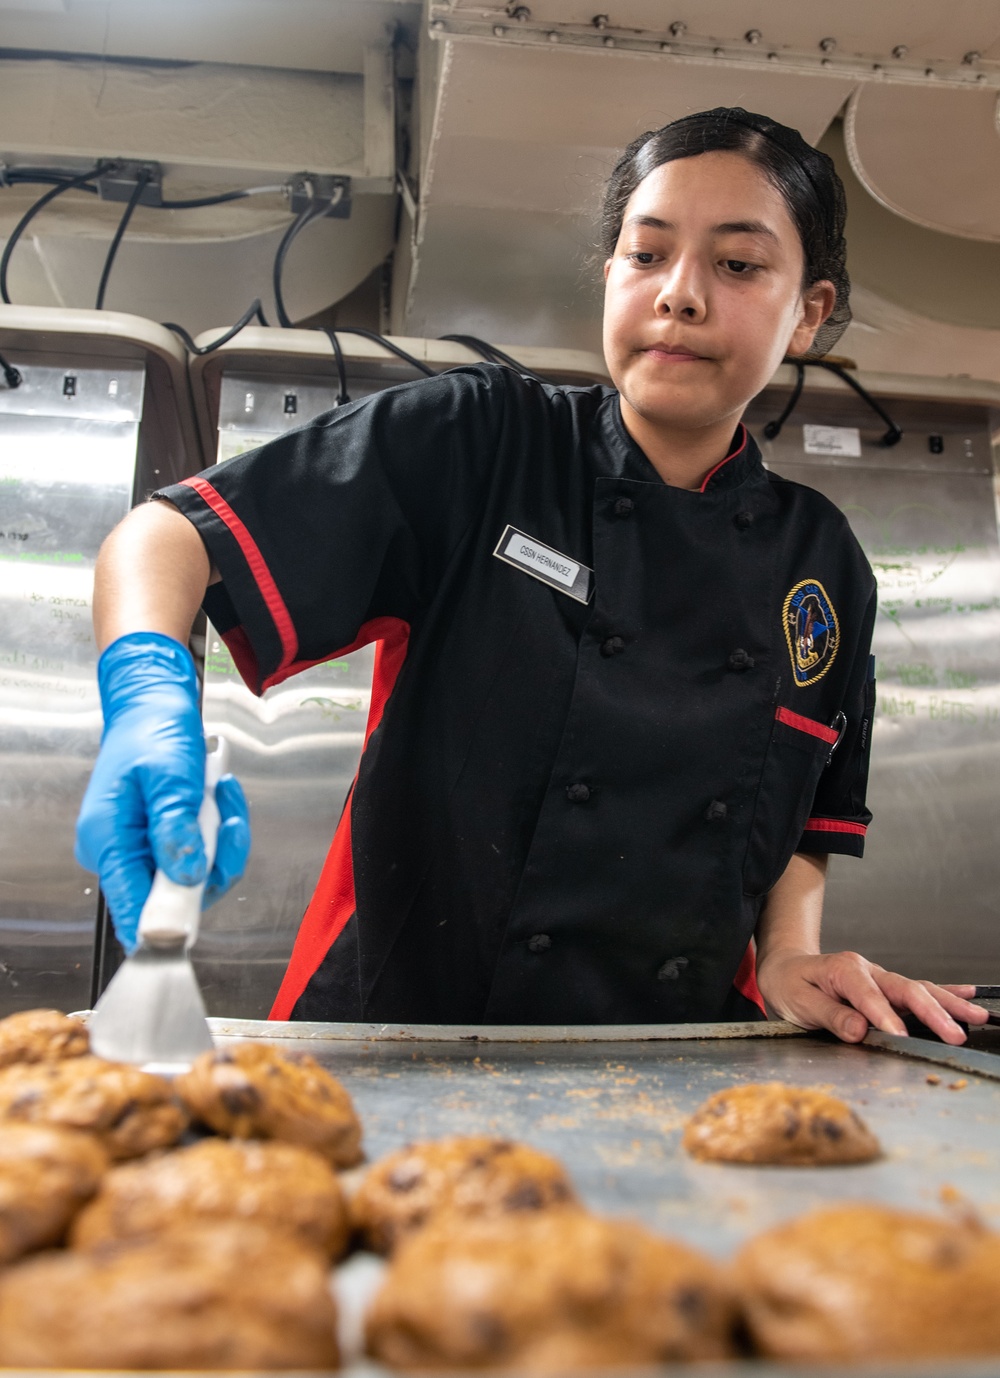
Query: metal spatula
x=152, y=1012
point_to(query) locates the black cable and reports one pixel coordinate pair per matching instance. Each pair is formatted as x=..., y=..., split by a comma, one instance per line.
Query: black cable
x=311, y=211
x=894, y=434
x=492, y=355
x=254, y=309
x=418, y=364
x=773, y=428
x=141, y=182
x=12, y=376
x=343, y=395
x=195, y=201
x=18, y=177
x=27, y=218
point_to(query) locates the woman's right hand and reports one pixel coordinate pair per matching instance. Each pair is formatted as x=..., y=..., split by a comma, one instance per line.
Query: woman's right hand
x=140, y=811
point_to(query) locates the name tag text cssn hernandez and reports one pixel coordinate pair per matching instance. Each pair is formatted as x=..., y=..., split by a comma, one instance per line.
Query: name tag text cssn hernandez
x=544, y=563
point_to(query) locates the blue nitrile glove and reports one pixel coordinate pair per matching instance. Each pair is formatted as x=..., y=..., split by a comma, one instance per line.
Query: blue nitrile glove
x=140, y=811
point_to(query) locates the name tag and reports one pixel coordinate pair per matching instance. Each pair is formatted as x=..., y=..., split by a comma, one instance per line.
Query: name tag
x=544, y=563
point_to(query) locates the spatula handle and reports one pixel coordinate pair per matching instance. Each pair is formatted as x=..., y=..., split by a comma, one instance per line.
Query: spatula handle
x=173, y=912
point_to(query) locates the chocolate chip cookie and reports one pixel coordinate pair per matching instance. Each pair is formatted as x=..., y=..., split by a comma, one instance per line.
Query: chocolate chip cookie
x=46, y=1175
x=130, y=1111
x=253, y=1091
x=41, y=1036
x=774, y=1123
x=225, y=1295
x=866, y=1282
x=473, y=1175
x=551, y=1292
x=282, y=1186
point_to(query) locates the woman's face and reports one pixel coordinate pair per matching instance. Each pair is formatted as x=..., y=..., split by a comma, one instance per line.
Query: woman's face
x=703, y=294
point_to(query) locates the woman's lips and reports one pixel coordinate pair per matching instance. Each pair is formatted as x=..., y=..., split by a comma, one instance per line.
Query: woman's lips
x=666, y=355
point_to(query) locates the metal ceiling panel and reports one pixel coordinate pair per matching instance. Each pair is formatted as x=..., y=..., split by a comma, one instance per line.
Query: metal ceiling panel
x=902, y=35
x=930, y=155
x=521, y=142
x=301, y=35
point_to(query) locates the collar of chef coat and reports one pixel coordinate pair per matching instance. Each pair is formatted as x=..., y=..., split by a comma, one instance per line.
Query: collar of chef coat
x=742, y=460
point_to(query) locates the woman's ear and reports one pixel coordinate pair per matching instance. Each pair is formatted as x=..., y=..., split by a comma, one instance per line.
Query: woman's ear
x=607, y=268
x=817, y=303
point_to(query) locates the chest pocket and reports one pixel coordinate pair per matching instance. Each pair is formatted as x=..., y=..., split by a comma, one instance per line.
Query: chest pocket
x=796, y=756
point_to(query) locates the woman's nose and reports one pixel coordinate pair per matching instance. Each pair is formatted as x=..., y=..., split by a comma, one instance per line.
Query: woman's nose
x=681, y=294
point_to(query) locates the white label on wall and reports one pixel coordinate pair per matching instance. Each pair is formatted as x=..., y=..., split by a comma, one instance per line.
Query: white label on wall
x=832, y=440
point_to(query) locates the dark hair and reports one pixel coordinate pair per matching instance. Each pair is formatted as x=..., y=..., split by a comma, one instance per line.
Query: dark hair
x=805, y=177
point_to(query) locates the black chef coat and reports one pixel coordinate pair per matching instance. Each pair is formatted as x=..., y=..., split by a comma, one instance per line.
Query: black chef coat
x=603, y=712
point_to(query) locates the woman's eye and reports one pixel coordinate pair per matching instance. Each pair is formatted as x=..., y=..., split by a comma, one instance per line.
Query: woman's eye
x=643, y=259
x=738, y=265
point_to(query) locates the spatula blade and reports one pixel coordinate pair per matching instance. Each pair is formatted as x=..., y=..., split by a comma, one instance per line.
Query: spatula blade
x=152, y=1011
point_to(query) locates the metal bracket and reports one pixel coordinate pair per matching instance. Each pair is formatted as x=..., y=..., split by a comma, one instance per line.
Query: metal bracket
x=308, y=188
x=118, y=181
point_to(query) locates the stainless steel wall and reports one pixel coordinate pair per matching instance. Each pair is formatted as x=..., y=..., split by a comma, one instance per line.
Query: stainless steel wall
x=926, y=898
x=295, y=750
x=68, y=441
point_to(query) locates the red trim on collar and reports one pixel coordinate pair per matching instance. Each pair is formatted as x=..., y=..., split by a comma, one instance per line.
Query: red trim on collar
x=722, y=462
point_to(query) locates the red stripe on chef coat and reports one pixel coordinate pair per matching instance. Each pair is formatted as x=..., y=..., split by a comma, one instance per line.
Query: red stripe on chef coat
x=745, y=979
x=263, y=578
x=810, y=725
x=835, y=825
x=737, y=450
x=333, y=900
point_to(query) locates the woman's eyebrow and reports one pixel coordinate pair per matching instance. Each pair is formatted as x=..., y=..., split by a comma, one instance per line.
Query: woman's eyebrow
x=727, y=227
x=745, y=227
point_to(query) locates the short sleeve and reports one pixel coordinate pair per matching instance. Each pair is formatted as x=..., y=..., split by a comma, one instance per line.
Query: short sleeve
x=839, y=817
x=326, y=533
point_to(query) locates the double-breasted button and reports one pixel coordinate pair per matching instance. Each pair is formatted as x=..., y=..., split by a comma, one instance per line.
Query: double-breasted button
x=672, y=968
x=741, y=660
x=541, y=942
x=743, y=521
x=578, y=793
x=613, y=646
x=624, y=507
x=716, y=811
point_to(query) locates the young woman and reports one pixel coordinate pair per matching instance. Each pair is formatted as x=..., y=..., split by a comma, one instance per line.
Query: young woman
x=623, y=699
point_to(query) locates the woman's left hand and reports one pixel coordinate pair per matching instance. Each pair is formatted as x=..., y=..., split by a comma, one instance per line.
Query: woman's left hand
x=845, y=993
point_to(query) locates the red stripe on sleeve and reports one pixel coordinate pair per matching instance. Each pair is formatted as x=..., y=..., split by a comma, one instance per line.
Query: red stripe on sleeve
x=333, y=901
x=257, y=565
x=835, y=825
x=723, y=462
x=815, y=729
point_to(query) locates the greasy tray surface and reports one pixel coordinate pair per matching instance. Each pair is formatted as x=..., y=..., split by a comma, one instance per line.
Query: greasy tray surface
x=613, y=1112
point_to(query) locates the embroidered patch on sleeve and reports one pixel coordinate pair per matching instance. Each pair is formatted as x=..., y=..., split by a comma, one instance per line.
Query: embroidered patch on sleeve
x=811, y=630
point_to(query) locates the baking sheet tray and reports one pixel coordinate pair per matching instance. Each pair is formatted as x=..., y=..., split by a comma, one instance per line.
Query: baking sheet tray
x=611, y=1102
x=612, y=1109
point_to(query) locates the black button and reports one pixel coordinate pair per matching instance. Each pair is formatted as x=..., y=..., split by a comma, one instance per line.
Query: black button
x=716, y=811
x=671, y=969
x=578, y=793
x=743, y=520
x=624, y=507
x=741, y=660
x=541, y=942
x=613, y=646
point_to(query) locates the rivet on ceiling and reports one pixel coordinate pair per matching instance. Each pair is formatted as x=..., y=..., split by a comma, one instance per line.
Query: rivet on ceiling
x=753, y=35
x=828, y=45
x=900, y=51
x=678, y=28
